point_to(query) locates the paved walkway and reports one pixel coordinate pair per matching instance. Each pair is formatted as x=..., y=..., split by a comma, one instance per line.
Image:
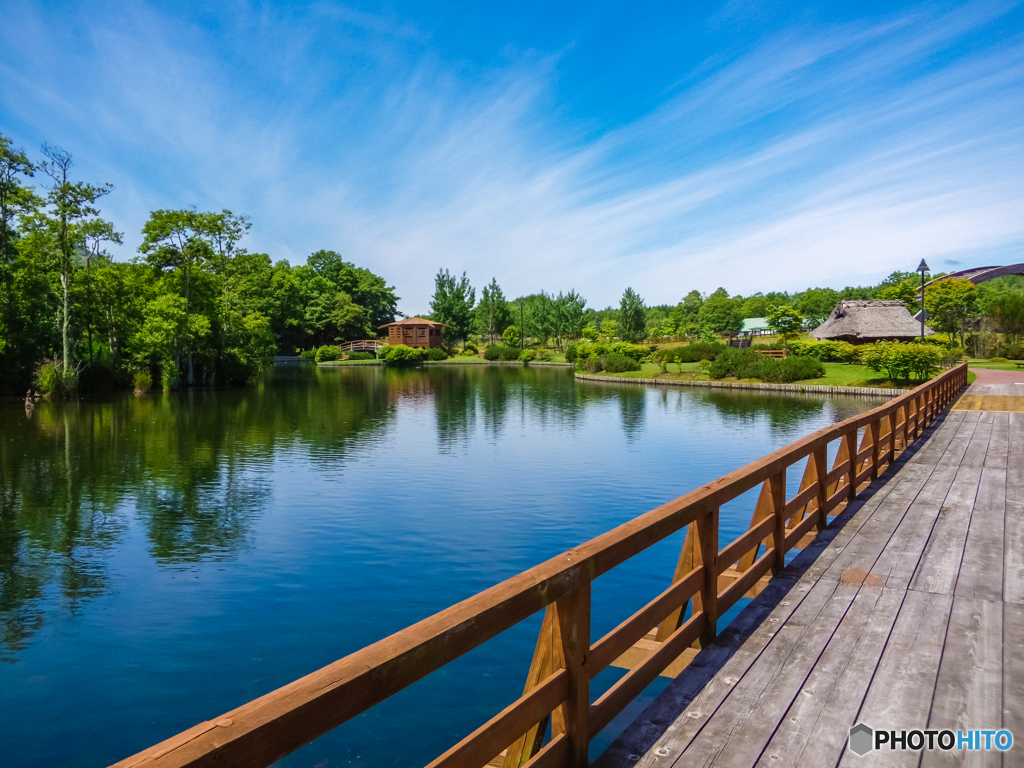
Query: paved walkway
x=907, y=613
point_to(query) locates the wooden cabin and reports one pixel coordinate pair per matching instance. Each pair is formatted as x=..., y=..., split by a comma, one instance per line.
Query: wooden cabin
x=415, y=332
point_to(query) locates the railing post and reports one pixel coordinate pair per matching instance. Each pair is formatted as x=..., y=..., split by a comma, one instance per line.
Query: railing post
x=851, y=476
x=820, y=459
x=574, y=629
x=777, y=485
x=707, y=538
x=875, y=427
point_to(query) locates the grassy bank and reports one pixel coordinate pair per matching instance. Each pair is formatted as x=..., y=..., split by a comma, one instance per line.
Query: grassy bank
x=836, y=375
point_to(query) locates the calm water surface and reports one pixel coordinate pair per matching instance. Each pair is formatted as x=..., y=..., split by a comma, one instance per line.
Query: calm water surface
x=167, y=558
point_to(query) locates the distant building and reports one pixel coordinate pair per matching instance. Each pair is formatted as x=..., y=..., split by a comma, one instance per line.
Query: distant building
x=415, y=332
x=862, y=322
x=755, y=326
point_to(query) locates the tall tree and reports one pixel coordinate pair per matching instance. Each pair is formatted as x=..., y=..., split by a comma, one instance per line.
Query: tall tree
x=66, y=221
x=492, y=313
x=452, y=304
x=632, y=317
x=951, y=302
x=720, y=314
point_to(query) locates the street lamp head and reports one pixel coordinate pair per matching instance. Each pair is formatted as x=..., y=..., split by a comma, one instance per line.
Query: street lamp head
x=922, y=267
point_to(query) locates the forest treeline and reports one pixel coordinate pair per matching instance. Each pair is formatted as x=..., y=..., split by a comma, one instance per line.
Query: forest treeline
x=193, y=307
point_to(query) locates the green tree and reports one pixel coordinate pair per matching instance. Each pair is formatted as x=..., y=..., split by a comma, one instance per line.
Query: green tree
x=511, y=337
x=951, y=302
x=786, y=322
x=569, y=315
x=1009, y=313
x=632, y=317
x=452, y=304
x=684, y=314
x=720, y=314
x=61, y=228
x=492, y=313
x=816, y=304
x=904, y=291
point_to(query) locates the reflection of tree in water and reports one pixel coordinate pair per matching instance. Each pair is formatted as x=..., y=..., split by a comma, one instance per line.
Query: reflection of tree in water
x=631, y=406
x=53, y=530
x=189, y=465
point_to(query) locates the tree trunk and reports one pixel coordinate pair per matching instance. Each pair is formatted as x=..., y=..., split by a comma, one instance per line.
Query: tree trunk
x=66, y=322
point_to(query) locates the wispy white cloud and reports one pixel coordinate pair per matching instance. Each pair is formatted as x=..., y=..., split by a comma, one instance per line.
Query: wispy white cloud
x=825, y=155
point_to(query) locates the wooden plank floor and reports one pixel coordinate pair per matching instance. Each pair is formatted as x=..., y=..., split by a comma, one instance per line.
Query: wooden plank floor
x=907, y=613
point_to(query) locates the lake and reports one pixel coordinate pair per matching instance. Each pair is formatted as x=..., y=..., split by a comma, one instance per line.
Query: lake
x=166, y=558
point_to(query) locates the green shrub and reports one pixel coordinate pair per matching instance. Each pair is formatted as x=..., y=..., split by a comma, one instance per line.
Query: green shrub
x=437, y=353
x=997, y=360
x=143, y=380
x=900, y=360
x=1013, y=352
x=361, y=356
x=52, y=378
x=327, y=353
x=751, y=364
x=590, y=364
x=526, y=355
x=492, y=353
x=826, y=351
x=311, y=353
x=471, y=347
x=694, y=353
x=570, y=353
x=636, y=351
x=401, y=354
x=613, y=362
x=510, y=353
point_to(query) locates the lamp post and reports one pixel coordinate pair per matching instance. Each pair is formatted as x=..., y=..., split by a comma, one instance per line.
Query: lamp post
x=922, y=268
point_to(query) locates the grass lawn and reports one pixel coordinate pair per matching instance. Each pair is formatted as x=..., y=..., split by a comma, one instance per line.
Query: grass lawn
x=1007, y=366
x=836, y=375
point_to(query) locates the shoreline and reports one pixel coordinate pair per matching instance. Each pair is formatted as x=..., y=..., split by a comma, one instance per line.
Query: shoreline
x=806, y=389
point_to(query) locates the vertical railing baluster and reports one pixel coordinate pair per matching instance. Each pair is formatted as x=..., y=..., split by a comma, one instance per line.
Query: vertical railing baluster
x=777, y=485
x=875, y=427
x=574, y=629
x=850, y=438
x=707, y=538
x=820, y=459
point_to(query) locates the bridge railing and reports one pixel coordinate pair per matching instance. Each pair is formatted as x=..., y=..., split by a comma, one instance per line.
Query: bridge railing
x=567, y=658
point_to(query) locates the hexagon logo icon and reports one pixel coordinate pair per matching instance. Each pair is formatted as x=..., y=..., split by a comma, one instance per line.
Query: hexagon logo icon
x=861, y=739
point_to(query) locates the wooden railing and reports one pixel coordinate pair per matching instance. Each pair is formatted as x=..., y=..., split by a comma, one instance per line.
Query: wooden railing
x=656, y=638
x=362, y=345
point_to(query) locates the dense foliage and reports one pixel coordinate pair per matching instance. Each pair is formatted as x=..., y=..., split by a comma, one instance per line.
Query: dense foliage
x=900, y=361
x=193, y=307
x=751, y=364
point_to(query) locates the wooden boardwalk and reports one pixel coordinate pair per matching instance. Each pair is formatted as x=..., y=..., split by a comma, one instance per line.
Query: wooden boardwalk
x=906, y=613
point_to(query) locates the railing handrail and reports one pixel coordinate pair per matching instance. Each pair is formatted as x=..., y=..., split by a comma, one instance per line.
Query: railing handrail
x=265, y=729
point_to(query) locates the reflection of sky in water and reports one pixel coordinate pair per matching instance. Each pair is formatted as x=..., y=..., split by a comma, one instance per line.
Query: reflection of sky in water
x=163, y=560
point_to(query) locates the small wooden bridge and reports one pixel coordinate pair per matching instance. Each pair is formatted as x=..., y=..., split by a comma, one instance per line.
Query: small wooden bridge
x=914, y=560
x=362, y=345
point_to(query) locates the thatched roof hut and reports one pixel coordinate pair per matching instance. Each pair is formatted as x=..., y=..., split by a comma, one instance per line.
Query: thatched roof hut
x=865, y=321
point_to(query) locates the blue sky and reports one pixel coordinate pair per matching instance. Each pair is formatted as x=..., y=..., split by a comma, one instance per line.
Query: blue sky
x=553, y=146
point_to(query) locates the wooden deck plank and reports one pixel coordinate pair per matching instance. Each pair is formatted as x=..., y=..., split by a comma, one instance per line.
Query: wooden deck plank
x=999, y=444
x=717, y=689
x=854, y=564
x=969, y=690
x=760, y=699
x=957, y=447
x=900, y=693
x=977, y=449
x=1013, y=669
x=909, y=615
x=981, y=569
x=939, y=567
x=815, y=726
